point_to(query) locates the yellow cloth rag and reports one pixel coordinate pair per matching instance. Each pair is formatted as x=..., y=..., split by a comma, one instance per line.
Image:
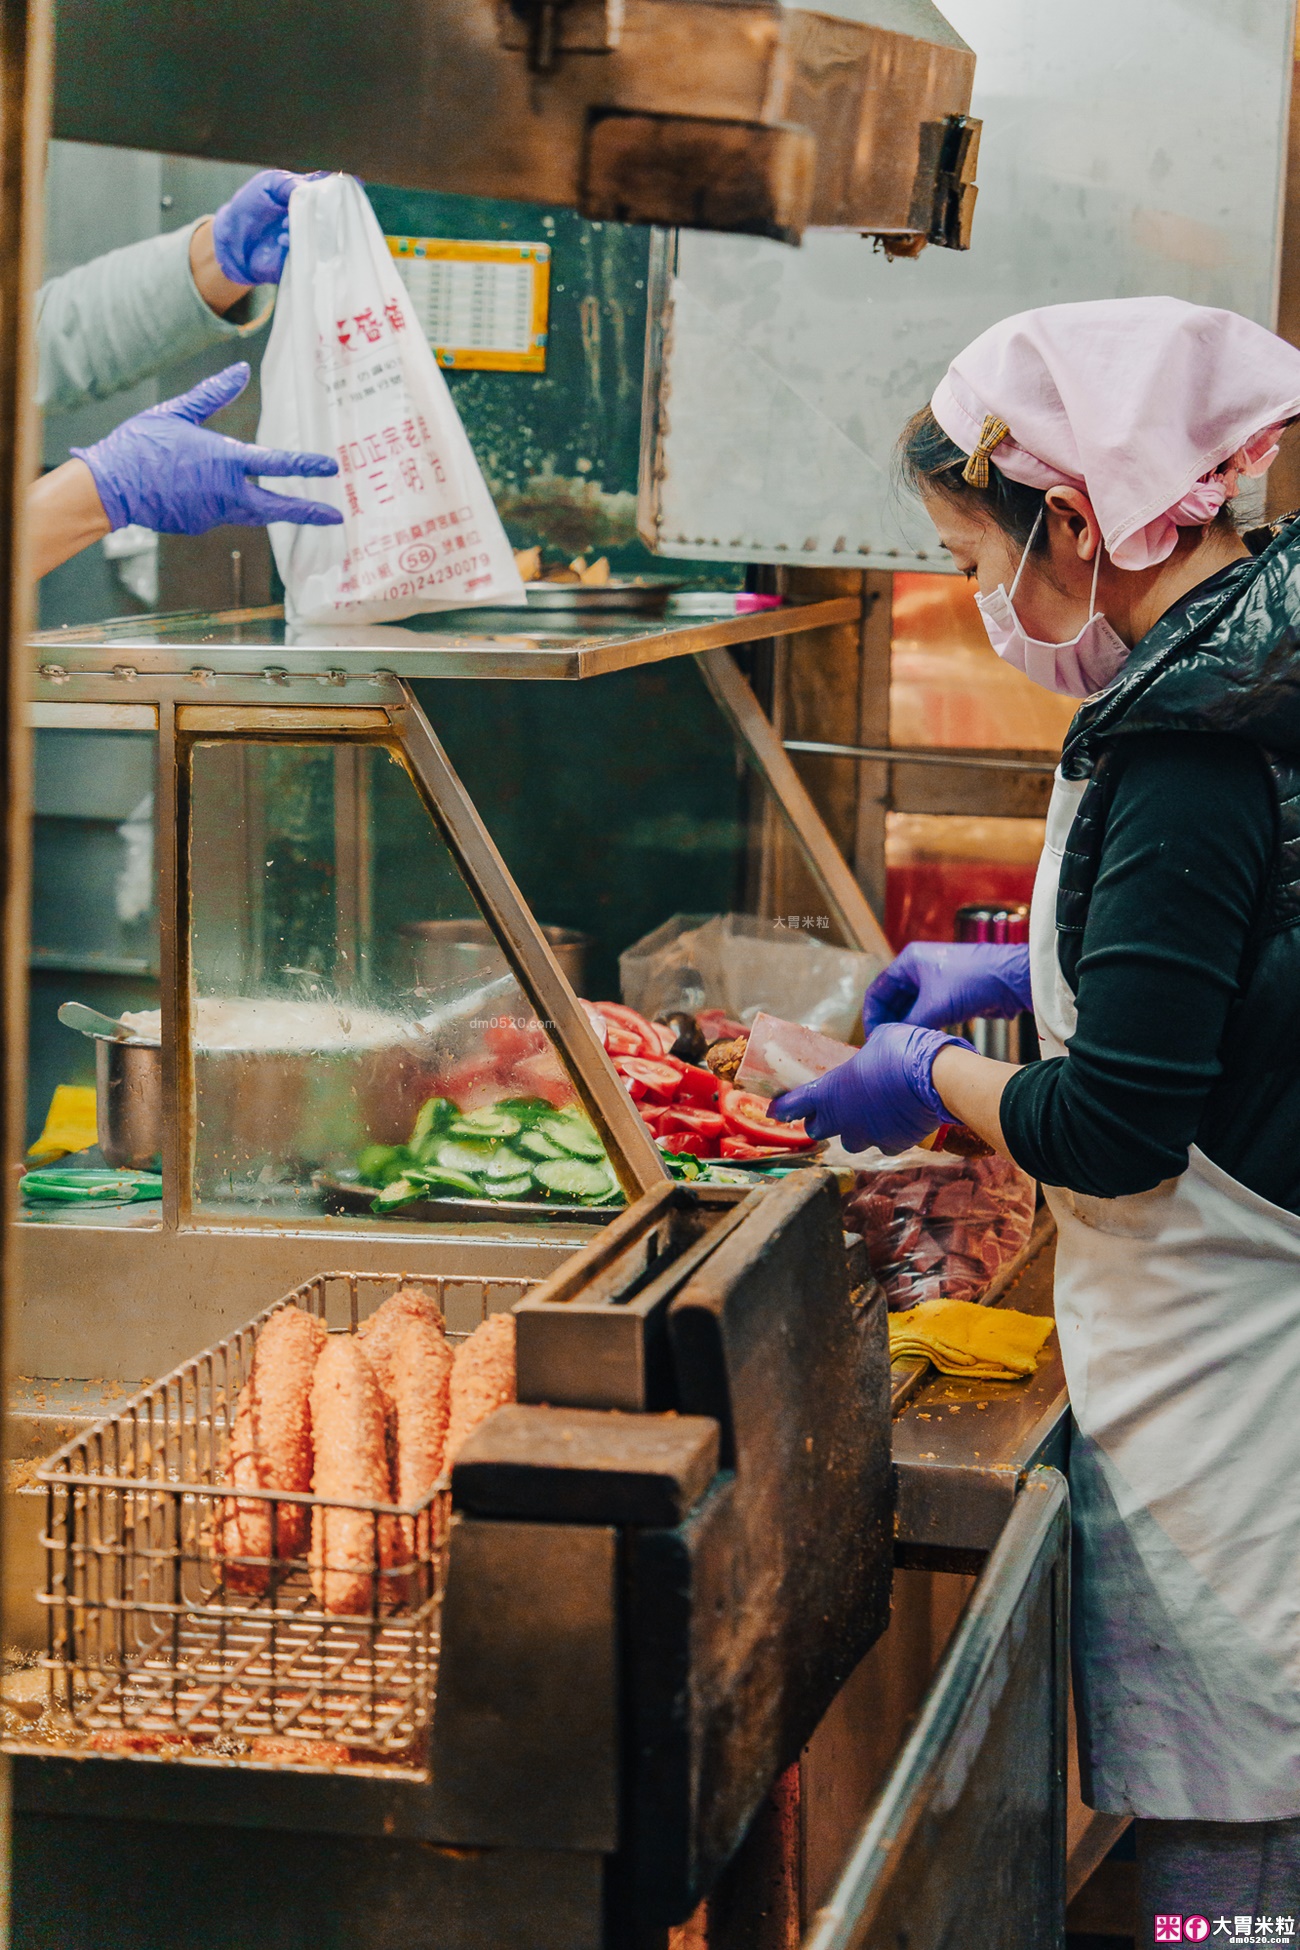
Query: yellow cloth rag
x=69, y=1123
x=986, y=1343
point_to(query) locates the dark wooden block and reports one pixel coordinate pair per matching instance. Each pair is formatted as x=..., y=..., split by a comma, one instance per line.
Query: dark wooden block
x=595, y=1334
x=524, y=1749
x=744, y=1621
x=584, y=1465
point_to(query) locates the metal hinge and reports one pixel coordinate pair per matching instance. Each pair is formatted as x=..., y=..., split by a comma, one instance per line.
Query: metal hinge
x=546, y=29
x=955, y=188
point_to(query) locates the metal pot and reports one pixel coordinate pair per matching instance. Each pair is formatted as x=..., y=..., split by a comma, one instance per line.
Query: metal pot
x=450, y=953
x=128, y=1102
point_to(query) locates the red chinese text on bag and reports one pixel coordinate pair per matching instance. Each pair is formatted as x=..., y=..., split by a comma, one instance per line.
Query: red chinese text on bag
x=348, y=372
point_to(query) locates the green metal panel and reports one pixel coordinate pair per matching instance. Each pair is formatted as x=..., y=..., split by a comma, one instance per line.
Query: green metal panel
x=559, y=448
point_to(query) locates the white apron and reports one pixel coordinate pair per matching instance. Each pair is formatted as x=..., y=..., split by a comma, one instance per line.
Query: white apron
x=1178, y=1312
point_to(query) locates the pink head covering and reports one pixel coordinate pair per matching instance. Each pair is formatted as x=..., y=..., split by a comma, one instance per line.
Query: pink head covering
x=1136, y=401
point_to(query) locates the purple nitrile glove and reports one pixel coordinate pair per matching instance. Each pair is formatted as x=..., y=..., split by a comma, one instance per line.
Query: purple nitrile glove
x=250, y=234
x=938, y=982
x=882, y=1096
x=165, y=471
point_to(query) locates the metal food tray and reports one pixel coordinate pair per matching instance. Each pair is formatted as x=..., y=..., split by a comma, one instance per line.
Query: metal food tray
x=347, y=1194
x=148, y=1646
x=644, y=593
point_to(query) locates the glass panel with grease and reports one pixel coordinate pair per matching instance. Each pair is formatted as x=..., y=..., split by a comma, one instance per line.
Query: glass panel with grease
x=358, y=1039
x=94, y=918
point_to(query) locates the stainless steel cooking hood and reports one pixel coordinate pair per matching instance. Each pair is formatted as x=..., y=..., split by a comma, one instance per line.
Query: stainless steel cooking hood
x=743, y=115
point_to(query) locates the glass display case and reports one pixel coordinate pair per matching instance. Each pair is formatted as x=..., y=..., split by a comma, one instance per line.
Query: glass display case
x=359, y=1029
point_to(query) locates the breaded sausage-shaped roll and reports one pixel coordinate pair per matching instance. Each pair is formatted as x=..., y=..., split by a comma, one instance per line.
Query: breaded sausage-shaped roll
x=408, y=1303
x=271, y=1449
x=482, y=1378
x=386, y=1323
x=420, y=1389
x=347, y=1414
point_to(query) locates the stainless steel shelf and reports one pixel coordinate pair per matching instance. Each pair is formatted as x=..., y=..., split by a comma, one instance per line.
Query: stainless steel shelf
x=123, y=658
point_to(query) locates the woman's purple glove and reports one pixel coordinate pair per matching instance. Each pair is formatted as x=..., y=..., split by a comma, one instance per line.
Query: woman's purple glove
x=165, y=471
x=250, y=234
x=883, y=1095
x=938, y=982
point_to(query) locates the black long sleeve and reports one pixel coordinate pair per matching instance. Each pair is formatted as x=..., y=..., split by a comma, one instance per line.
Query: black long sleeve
x=1185, y=860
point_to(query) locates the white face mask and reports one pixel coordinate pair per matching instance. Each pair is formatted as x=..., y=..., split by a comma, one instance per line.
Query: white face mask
x=1085, y=664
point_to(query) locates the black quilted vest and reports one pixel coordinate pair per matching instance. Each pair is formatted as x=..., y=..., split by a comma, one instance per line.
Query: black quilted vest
x=1224, y=660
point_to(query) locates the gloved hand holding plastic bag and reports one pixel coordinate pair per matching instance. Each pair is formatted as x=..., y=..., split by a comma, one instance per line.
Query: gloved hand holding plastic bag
x=348, y=372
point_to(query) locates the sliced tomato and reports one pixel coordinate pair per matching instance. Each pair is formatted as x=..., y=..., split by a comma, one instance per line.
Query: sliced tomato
x=652, y=1113
x=698, y=1086
x=682, y=1117
x=620, y=1017
x=716, y=1026
x=747, y=1116
x=510, y=1037
x=740, y=1152
x=621, y=1042
x=665, y=1035
x=656, y=1078
x=598, y=1022
x=693, y=1141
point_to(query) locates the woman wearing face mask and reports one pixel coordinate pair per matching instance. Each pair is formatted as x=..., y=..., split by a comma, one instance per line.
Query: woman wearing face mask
x=1077, y=462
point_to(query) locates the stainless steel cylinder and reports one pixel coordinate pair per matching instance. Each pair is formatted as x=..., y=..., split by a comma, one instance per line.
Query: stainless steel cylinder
x=1007, y=1041
x=128, y=1102
x=448, y=953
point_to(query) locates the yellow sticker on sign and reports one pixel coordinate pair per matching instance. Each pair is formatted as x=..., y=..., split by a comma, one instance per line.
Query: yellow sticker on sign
x=482, y=306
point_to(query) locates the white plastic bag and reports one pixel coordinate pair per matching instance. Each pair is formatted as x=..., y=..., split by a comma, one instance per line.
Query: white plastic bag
x=744, y=964
x=348, y=372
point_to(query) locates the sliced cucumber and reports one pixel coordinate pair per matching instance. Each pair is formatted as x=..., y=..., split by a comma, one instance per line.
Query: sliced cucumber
x=490, y=1122
x=573, y=1178
x=437, y=1180
x=538, y=1145
x=572, y=1135
x=380, y=1164
x=435, y=1114
x=505, y=1163
x=457, y=1155
x=526, y=1109
x=400, y=1192
x=509, y=1187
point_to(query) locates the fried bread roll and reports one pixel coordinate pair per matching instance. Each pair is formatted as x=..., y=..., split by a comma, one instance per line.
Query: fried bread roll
x=377, y=1333
x=419, y=1386
x=271, y=1449
x=347, y=1413
x=415, y=1374
x=412, y=1358
x=482, y=1378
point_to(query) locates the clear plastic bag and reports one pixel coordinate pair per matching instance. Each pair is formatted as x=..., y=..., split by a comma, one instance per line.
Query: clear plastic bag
x=348, y=372
x=743, y=964
x=939, y=1227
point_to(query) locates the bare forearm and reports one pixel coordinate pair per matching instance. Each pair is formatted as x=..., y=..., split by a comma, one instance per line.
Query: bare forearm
x=210, y=281
x=971, y=1087
x=66, y=515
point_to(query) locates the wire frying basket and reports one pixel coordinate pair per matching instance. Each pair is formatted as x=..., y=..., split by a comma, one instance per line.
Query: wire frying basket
x=153, y=1638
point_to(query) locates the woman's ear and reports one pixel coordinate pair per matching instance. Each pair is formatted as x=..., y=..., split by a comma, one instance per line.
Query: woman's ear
x=1076, y=516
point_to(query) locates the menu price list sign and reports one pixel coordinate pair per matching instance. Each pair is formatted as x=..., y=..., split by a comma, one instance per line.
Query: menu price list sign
x=480, y=305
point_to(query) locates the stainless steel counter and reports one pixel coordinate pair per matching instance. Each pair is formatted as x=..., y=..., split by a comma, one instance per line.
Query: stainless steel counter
x=962, y=1449
x=205, y=651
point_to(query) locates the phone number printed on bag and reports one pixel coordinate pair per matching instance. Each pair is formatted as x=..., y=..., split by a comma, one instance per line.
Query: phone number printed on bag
x=417, y=550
